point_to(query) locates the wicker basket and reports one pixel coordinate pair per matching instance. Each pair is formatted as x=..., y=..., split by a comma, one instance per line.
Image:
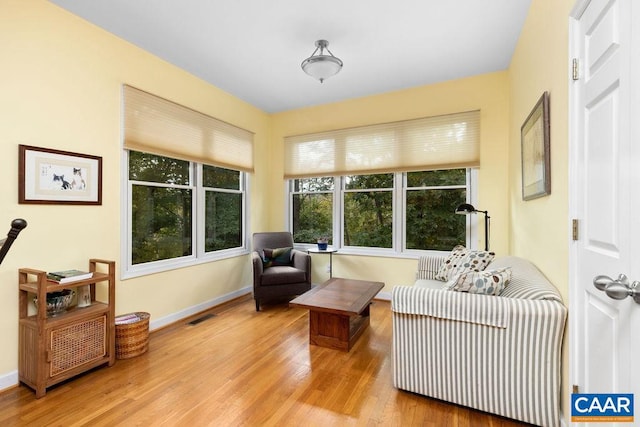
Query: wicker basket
x=132, y=338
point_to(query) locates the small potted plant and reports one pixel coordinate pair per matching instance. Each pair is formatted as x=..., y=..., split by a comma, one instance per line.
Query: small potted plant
x=322, y=243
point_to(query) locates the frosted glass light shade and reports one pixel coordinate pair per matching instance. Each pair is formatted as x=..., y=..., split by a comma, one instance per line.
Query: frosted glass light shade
x=321, y=66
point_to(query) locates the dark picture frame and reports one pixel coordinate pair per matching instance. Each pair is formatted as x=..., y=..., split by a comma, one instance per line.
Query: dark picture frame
x=48, y=176
x=535, y=146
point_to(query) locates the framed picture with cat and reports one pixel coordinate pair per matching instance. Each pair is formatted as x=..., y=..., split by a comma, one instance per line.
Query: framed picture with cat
x=49, y=176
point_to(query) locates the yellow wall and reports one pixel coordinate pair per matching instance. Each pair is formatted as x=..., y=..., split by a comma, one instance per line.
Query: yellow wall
x=540, y=227
x=60, y=83
x=488, y=93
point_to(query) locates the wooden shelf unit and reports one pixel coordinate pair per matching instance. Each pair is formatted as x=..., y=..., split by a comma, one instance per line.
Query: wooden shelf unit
x=54, y=349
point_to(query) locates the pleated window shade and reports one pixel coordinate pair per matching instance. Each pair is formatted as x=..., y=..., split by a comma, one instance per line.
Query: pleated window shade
x=158, y=126
x=440, y=142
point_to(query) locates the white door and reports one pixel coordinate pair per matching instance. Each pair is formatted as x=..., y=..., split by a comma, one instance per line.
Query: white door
x=605, y=196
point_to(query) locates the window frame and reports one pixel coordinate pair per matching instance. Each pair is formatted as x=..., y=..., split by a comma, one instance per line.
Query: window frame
x=394, y=211
x=198, y=255
x=243, y=191
x=398, y=249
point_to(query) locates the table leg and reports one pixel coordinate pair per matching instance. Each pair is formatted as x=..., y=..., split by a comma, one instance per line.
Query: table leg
x=330, y=265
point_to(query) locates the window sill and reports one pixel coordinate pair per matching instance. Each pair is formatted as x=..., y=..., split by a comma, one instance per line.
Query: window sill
x=377, y=252
x=174, y=264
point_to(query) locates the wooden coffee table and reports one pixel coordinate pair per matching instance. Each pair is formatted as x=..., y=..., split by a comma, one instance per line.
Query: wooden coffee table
x=338, y=311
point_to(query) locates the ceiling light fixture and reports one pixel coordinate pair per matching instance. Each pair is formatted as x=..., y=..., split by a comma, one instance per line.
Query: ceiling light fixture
x=321, y=66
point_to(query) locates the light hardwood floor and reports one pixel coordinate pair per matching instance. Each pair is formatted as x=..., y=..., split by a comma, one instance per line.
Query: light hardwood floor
x=243, y=368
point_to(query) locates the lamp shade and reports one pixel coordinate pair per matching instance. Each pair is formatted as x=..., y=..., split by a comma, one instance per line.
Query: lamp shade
x=465, y=208
x=321, y=66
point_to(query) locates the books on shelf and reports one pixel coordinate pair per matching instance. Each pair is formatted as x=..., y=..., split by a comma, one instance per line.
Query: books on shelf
x=67, y=276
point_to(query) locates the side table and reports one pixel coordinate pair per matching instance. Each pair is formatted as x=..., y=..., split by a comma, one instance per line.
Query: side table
x=330, y=250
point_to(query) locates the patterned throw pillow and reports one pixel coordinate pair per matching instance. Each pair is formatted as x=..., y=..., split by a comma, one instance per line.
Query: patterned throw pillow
x=278, y=256
x=462, y=260
x=488, y=282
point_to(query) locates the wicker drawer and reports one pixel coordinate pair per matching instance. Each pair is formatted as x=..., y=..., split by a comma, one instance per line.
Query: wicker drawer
x=78, y=343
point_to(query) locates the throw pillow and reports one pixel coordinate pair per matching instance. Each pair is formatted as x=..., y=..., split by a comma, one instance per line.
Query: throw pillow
x=278, y=256
x=488, y=282
x=462, y=260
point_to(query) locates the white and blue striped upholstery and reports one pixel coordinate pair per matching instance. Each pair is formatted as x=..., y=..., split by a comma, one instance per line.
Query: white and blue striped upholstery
x=493, y=353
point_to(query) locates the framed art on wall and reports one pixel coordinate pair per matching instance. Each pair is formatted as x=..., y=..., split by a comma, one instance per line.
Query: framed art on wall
x=48, y=176
x=536, y=164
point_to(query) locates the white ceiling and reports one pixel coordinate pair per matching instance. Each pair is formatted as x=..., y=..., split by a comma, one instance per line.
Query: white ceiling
x=253, y=48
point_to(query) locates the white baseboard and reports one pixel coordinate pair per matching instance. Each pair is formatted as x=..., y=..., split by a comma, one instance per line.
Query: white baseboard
x=179, y=315
x=10, y=379
x=385, y=296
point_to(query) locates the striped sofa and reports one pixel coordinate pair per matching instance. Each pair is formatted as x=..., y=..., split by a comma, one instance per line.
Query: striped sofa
x=498, y=354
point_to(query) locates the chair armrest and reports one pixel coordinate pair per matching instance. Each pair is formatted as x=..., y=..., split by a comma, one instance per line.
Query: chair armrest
x=258, y=267
x=429, y=265
x=302, y=261
x=256, y=259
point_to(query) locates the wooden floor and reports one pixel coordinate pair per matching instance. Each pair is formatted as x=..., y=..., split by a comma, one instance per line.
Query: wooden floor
x=243, y=368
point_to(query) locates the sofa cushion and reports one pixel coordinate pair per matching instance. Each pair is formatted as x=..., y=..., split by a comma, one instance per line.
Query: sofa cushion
x=275, y=257
x=282, y=275
x=462, y=260
x=487, y=282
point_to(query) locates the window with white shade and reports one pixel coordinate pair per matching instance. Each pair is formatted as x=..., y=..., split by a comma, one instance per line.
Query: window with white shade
x=394, y=186
x=186, y=185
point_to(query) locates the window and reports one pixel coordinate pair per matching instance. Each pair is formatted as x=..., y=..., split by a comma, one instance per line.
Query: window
x=161, y=208
x=431, y=198
x=379, y=200
x=312, y=208
x=393, y=212
x=223, y=208
x=185, y=186
x=368, y=210
x=181, y=212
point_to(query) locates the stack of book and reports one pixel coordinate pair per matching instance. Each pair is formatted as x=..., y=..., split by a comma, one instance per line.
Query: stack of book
x=67, y=276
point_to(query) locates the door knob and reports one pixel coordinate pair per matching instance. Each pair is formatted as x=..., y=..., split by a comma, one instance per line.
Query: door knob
x=618, y=289
x=601, y=282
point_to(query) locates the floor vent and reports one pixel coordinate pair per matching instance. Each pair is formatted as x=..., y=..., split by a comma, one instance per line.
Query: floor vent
x=201, y=319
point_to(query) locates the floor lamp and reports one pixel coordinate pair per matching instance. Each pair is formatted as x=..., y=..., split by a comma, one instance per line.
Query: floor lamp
x=466, y=209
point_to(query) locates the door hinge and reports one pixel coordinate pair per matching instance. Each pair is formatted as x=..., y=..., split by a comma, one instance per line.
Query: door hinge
x=574, y=229
x=575, y=389
x=575, y=69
